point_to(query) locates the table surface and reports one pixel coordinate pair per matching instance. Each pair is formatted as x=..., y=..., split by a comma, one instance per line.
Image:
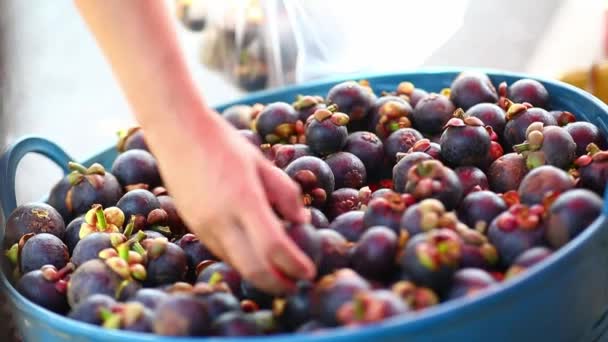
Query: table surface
x=55, y=83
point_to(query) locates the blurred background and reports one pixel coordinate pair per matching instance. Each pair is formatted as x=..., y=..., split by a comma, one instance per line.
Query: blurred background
x=55, y=83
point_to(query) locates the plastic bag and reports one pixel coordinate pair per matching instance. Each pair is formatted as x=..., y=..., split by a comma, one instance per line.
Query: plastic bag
x=260, y=44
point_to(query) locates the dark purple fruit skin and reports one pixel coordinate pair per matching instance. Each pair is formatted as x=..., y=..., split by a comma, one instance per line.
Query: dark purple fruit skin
x=261, y=298
x=106, y=191
x=570, y=214
x=169, y=267
x=229, y=275
x=89, y=310
x=138, y=202
x=349, y=171
x=174, y=221
x=151, y=234
x=465, y=146
x=472, y=178
x=136, y=167
x=511, y=244
x=136, y=141
x=318, y=219
x=368, y=148
x=334, y=252
x=43, y=249
x=304, y=113
x=380, y=193
x=374, y=254
x=148, y=297
x=195, y=252
x=558, y=147
x=235, y=324
x=439, y=280
x=583, y=133
x=417, y=95
x=350, y=225
x=480, y=206
x=471, y=88
x=218, y=303
x=32, y=218
x=142, y=324
x=411, y=221
x=273, y=115
x=310, y=326
x=451, y=192
x=251, y=136
x=542, y=180
x=491, y=115
x=528, y=90
x=515, y=129
x=433, y=150
x=306, y=238
x=95, y=277
x=342, y=201
x=532, y=257
x=507, y=172
x=57, y=198
x=288, y=153
x=72, y=233
x=400, y=140
x=181, y=315
x=36, y=288
x=432, y=113
x=379, y=212
x=322, y=171
x=352, y=99
x=297, y=309
x=594, y=176
x=401, y=169
x=325, y=137
x=328, y=299
x=468, y=281
x=238, y=116
x=89, y=247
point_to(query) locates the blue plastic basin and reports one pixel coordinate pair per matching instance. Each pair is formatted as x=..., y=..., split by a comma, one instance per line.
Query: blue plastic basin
x=564, y=298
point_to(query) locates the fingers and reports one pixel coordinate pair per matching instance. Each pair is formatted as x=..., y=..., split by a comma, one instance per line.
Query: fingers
x=283, y=192
x=249, y=263
x=268, y=235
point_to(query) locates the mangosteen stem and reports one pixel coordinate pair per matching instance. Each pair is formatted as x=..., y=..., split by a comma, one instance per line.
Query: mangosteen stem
x=130, y=226
x=139, y=237
x=123, y=251
x=215, y=278
x=359, y=309
x=424, y=169
x=96, y=169
x=165, y=230
x=13, y=254
x=519, y=148
x=332, y=108
x=101, y=218
x=77, y=167
x=75, y=177
x=459, y=113
x=138, y=248
x=592, y=149
x=123, y=285
x=112, y=321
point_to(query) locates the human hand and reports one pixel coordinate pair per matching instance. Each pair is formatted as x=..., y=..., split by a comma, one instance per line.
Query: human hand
x=225, y=190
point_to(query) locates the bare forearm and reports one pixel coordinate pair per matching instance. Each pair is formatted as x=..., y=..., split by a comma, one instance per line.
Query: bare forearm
x=139, y=40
